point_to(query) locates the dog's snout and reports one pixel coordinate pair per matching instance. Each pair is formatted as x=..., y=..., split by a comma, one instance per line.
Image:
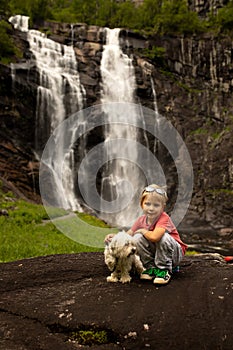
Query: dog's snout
x=133, y=251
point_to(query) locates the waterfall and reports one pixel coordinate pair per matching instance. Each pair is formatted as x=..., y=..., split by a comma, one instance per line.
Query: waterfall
x=59, y=95
x=121, y=176
x=117, y=71
x=157, y=117
x=20, y=22
x=72, y=33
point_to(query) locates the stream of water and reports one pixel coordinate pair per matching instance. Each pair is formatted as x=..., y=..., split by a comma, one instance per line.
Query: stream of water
x=60, y=94
x=121, y=176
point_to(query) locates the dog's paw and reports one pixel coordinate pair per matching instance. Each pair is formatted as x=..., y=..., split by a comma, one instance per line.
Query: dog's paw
x=138, y=265
x=112, y=279
x=125, y=279
x=140, y=269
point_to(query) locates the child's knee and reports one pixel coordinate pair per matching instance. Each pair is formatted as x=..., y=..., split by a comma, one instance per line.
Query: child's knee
x=139, y=239
x=165, y=240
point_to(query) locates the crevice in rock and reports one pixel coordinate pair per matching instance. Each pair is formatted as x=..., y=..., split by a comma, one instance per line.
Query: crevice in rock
x=86, y=334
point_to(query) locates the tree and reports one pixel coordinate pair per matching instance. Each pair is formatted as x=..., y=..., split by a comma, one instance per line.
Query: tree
x=85, y=11
x=40, y=10
x=224, y=17
x=148, y=14
x=123, y=15
x=7, y=48
x=106, y=11
x=176, y=18
x=35, y=9
x=4, y=7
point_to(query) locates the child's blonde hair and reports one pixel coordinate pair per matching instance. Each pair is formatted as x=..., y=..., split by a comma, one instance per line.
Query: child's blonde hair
x=161, y=194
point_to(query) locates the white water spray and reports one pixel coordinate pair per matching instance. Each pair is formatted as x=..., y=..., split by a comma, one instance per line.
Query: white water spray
x=121, y=178
x=157, y=117
x=59, y=95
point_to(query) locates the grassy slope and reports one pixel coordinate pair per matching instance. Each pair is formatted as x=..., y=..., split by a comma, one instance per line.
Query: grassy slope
x=28, y=232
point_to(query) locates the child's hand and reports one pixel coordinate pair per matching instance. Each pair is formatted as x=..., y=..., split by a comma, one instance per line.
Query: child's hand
x=108, y=238
x=141, y=230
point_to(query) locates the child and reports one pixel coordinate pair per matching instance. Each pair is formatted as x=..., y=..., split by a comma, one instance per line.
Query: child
x=158, y=242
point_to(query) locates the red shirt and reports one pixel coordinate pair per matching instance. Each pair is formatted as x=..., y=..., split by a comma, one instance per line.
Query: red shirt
x=164, y=221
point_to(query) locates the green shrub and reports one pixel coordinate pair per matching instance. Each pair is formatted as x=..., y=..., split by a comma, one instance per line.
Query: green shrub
x=152, y=16
x=176, y=18
x=156, y=54
x=7, y=47
x=224, y=18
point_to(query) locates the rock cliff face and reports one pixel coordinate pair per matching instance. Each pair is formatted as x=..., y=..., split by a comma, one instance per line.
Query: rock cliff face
x=197, y=98
x=193, y=83
x=203, y=7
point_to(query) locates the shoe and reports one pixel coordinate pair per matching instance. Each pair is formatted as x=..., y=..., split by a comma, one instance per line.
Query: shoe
x=175, y=269
x=148, y=274
x=162, y=277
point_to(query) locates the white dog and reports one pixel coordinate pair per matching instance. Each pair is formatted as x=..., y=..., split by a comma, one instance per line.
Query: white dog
x=120, y=257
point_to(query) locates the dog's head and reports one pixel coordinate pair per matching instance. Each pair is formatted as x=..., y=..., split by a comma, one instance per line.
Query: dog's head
x=122, y=245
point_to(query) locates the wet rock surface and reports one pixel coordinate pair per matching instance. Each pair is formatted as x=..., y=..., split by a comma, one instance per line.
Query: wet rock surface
x=206, y=239
x=47, y=301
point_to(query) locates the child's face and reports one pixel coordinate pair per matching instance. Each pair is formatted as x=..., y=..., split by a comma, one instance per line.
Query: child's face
x=152, y=206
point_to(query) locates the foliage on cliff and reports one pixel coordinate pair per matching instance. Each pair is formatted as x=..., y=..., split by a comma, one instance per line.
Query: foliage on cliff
x=7, y=48
x=224, y=19
x=154, y=16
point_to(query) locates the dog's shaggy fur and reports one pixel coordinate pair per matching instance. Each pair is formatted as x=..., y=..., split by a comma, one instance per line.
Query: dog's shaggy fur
x=120, y=257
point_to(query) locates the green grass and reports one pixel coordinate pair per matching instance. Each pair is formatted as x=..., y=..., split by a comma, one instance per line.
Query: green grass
x=30, y=230
x=191, y=252
x=27, y=231
x=220, y=191
x=89, y=337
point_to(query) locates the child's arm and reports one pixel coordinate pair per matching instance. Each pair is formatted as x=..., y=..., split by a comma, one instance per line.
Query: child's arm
x=108, y=238
x=130, y=232
x=155, y=235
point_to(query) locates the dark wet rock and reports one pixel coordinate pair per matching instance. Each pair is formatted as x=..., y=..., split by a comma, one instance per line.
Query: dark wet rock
x=46, y=301
x=225, y=232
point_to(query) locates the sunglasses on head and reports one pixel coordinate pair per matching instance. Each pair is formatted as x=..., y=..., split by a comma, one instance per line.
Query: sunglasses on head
x=157, y=190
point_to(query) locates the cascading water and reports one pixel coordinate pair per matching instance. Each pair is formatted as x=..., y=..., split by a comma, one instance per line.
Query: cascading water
x=59, y=95
x=121, y=176
x=157, y=116
x=59, y=92
x=20, y=22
